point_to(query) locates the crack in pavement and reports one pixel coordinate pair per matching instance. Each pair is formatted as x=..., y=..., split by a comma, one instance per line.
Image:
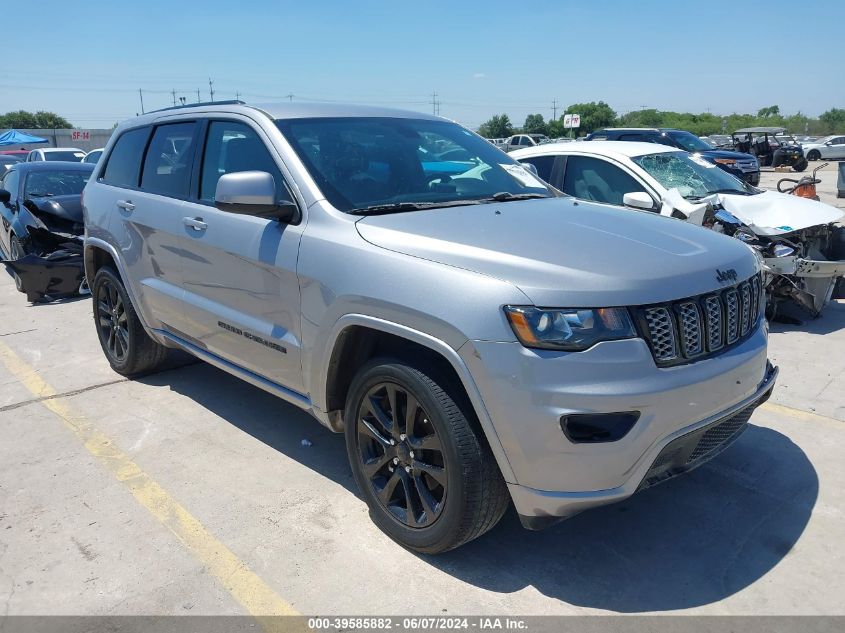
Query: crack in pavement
x=66, y=394
x=18, y=332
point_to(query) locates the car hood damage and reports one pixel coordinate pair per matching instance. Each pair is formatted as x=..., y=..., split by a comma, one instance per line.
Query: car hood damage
x=563, y=252
x=802, y=245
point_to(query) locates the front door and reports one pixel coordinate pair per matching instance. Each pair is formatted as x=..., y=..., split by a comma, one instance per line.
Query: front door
x=240, y=281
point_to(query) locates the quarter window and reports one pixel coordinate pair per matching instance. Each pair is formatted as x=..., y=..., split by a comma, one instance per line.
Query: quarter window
x=232, y=147
x=594, y=179
x=123, y=167
x=544, y=165
x=170, y=157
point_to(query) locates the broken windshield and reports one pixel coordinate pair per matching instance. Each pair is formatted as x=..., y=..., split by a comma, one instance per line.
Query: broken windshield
x=691, y=175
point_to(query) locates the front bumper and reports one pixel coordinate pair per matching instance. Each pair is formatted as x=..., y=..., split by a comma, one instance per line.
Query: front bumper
x=678, y=454
x=527, y=391
x=801, y=267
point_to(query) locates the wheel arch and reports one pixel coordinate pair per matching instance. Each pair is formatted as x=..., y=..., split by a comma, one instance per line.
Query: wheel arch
x=356, y=338
x=99, y=253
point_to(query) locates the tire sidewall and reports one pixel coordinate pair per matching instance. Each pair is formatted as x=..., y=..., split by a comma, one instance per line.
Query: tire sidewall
x=16, y=251
x=451, y=516
x=107, y=274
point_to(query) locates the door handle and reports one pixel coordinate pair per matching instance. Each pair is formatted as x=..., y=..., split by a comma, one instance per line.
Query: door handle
x=195, y=223
x=126, y=205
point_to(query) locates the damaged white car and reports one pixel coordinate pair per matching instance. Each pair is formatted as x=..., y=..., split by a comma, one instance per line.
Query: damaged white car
x=801, y=241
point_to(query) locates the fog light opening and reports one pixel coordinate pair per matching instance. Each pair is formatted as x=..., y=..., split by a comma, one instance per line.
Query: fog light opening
x=584, y=428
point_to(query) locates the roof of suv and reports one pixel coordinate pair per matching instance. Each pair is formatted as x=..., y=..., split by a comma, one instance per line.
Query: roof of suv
x=292, y=110
x=610, y=149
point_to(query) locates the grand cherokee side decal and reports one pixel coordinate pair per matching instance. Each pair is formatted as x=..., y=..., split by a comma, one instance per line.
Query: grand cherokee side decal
x=252, y=337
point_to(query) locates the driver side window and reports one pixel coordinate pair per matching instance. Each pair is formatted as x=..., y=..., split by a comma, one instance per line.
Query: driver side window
x=597, y=180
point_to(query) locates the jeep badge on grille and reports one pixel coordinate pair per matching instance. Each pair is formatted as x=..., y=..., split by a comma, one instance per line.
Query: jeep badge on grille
x=725, y=275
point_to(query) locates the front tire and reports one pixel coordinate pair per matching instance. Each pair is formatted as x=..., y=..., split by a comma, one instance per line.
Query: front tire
x=814, y=154
x=428, y=477
x=128, y=348
x=801, y=165
x=17, y=251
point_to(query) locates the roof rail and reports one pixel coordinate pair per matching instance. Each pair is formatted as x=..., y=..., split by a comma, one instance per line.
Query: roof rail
x=201, y=103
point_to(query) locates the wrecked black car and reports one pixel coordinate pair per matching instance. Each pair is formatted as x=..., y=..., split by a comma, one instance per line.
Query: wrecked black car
x=42, y=228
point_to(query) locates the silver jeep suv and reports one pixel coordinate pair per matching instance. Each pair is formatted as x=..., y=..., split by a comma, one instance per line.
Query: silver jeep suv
x=478, y=337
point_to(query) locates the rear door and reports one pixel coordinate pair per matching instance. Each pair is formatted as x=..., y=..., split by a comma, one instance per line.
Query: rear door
x=241, y=287
x=145, y=182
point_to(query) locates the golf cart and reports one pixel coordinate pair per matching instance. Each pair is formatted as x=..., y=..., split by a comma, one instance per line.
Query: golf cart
x=773, y=147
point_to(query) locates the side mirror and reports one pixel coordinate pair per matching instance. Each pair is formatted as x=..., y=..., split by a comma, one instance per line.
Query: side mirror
x=253, y=193
x=829, y=143
x=5, y=196
x=638, y=200
x=530, y=167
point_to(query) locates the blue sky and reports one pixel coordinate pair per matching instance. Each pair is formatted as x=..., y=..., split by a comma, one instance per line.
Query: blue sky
x=481, y=56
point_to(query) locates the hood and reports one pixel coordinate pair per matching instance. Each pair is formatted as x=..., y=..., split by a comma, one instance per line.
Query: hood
x=566, y=253
x=774, y=213
x=64, y=207
x=724, y=153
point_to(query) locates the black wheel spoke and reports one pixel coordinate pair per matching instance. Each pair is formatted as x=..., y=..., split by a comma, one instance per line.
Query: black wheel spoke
x=367, y=428
x=411, y=408
x=394, y=417
x=411, y=498
x=386, y=492
x=426, y=443
x=428, y=502
x=111, y=340
x=123, y=339
x=438, y=473
x=374, y=465
x=379, y=414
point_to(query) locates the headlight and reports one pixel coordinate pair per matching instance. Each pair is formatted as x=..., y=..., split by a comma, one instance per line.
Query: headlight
x=572, y=329
x=724, y=161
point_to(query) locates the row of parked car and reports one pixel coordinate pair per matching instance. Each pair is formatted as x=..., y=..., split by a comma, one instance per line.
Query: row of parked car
x=67, y=154
x=486, y=329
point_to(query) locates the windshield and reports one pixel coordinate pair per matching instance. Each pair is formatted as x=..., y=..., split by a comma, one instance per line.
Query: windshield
x=691, y=175
x=688, y=141
x=72, y=156
x=55, y=183
x=367, y=162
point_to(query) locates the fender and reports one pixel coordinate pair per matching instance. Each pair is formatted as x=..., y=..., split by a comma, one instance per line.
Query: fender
x=319, y=392
x=90, y=243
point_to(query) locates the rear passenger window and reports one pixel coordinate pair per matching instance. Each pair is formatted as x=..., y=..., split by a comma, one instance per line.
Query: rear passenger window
x=123, y=168
x=231, y=147
x=170, y=157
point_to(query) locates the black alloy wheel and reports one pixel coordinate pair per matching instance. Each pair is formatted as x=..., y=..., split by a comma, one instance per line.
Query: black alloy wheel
x=401, y=455
x=112, y=321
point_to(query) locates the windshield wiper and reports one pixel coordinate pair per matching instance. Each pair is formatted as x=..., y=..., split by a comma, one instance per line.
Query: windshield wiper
x=400, y=207
x=40, y=194
x=507, y=196
x=741, y=192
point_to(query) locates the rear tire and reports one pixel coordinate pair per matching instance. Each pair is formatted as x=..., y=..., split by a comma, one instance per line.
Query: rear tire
x=814, y=154
x=801, y=165
x=428, y=477
x=128, y=348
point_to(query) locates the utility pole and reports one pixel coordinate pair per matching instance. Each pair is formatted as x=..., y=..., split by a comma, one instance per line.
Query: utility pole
x=237, y=96
x=211, y=88
x=141, y=94
x=198, y=96
x=554, y=109
x=434, y=102
x=173, y=92
x=289, y=96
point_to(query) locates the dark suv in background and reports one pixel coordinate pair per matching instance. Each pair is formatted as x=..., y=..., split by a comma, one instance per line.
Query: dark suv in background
x=743, y=166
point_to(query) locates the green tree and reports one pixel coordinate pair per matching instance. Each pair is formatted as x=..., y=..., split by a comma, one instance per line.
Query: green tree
x=499, y=126
x=768, y=113
x=556, y=129
x=833, y=121
x=535, y=124
x=594, y=115
x=29, y=120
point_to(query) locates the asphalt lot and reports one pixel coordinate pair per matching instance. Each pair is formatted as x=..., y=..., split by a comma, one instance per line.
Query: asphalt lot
x=190, y=492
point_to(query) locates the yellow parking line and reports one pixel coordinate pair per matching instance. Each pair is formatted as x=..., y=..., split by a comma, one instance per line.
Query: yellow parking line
x=243, y=584
x=806, y=416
